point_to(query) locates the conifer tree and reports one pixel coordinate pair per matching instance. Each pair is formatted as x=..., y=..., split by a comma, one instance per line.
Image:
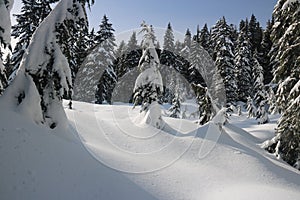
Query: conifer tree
x=286, y=43
x=169, y=39
x=33, y=12
x=132, y=43
x=44, y=75
x=224, y=57
x=243, y=58
x=108, y=80
x=265, y=49
x=5, y=28
x=148, y=85
x=205, y=39
x=106, y=30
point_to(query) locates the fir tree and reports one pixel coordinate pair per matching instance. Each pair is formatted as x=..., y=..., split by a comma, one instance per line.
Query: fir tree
x=255, y=34
x=224, y=57
x=33, y=12
x=265, y=49
x=132, y=43
x=106, y=30
x=169, y=39
x=44, y=76
x=243, y=65
x=286, y=43
x=109, y=77
x=148, y=85
x=5, y=28
x=204, y=39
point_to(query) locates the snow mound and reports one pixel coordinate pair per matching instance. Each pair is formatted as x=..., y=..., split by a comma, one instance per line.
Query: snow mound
x=105, y=155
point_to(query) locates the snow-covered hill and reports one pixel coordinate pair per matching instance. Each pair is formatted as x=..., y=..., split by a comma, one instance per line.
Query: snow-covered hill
x=106, y=154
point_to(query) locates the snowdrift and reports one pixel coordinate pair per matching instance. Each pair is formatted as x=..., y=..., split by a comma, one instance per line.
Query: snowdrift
x=104, y=154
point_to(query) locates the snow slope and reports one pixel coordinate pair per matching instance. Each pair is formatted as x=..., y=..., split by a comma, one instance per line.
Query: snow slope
x=104, y=154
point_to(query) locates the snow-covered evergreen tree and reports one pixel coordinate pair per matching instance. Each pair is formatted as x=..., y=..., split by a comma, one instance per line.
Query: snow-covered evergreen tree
x=255, y=34
x=224, y=57
x=265, y=49
x=5, y=27
x=260, y=94
x=121, y=50
x=185, y=51
x=149, y=85
x=251, y=108
x=243, y=58
x=108, y=80
x=33, y=12
x=286, y=56
x=169, y=39
x=205, y=39
x=106, y=30
x=132, y=43
x=44, y=75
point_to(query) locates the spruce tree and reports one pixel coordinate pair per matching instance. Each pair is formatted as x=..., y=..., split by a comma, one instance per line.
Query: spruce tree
x=148, y=85
x=224, y=57
x=205, y=39
x=132, y=43
x=44, y=75
x=169, y=39
x=255, y=34
x=5, y=28
x=108, y=80
x=33, y=12
x=243, y=58
x=106, y=30
x=265, y=49
x=286, y=43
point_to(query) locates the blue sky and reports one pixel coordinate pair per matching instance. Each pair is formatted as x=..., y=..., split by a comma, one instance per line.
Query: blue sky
x=128, y=14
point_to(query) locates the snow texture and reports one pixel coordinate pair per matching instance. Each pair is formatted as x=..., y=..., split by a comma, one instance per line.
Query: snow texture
x=78, y=162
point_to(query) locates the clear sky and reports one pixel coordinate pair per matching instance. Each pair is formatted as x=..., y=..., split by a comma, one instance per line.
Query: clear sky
x=128, y=14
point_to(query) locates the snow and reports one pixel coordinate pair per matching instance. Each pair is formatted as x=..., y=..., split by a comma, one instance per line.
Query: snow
x=288, y=3
x=5, y=22
x=104, y=154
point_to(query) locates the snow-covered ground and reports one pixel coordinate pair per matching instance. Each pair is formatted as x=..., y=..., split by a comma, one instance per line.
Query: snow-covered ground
x=106, y=154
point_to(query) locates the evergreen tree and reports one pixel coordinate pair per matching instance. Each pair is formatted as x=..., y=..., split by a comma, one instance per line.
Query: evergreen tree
x=169, y=39
x=33, y=12
x=265, y=49
x=132, y=43
x=224, y=57
x=255, y=34
x=148, y=85
x=205, y=39
x=177, y=47
x=44, y=75
x=121, y=50
x=251, y=108
x=243, y=64
x=105, y=32
x=286, y=43
x=5, y=28
x=108, y=80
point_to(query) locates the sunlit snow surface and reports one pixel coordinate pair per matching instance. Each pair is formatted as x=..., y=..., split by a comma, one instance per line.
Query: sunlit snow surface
x=106, y=154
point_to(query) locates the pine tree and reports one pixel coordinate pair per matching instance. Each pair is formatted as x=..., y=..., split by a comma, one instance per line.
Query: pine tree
x=108, y=80
x=286, y=43
x=44, y=75
x=5, y=28
x=224, y=57
x=251, y=108
x=132, y=43
x=205, y=39
x=243, y=64
x=121, y=50
x=265, y=49
x=169, y=39
x=33, y=12
x=255, y=34
x=148, y=85
x=106, y=30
